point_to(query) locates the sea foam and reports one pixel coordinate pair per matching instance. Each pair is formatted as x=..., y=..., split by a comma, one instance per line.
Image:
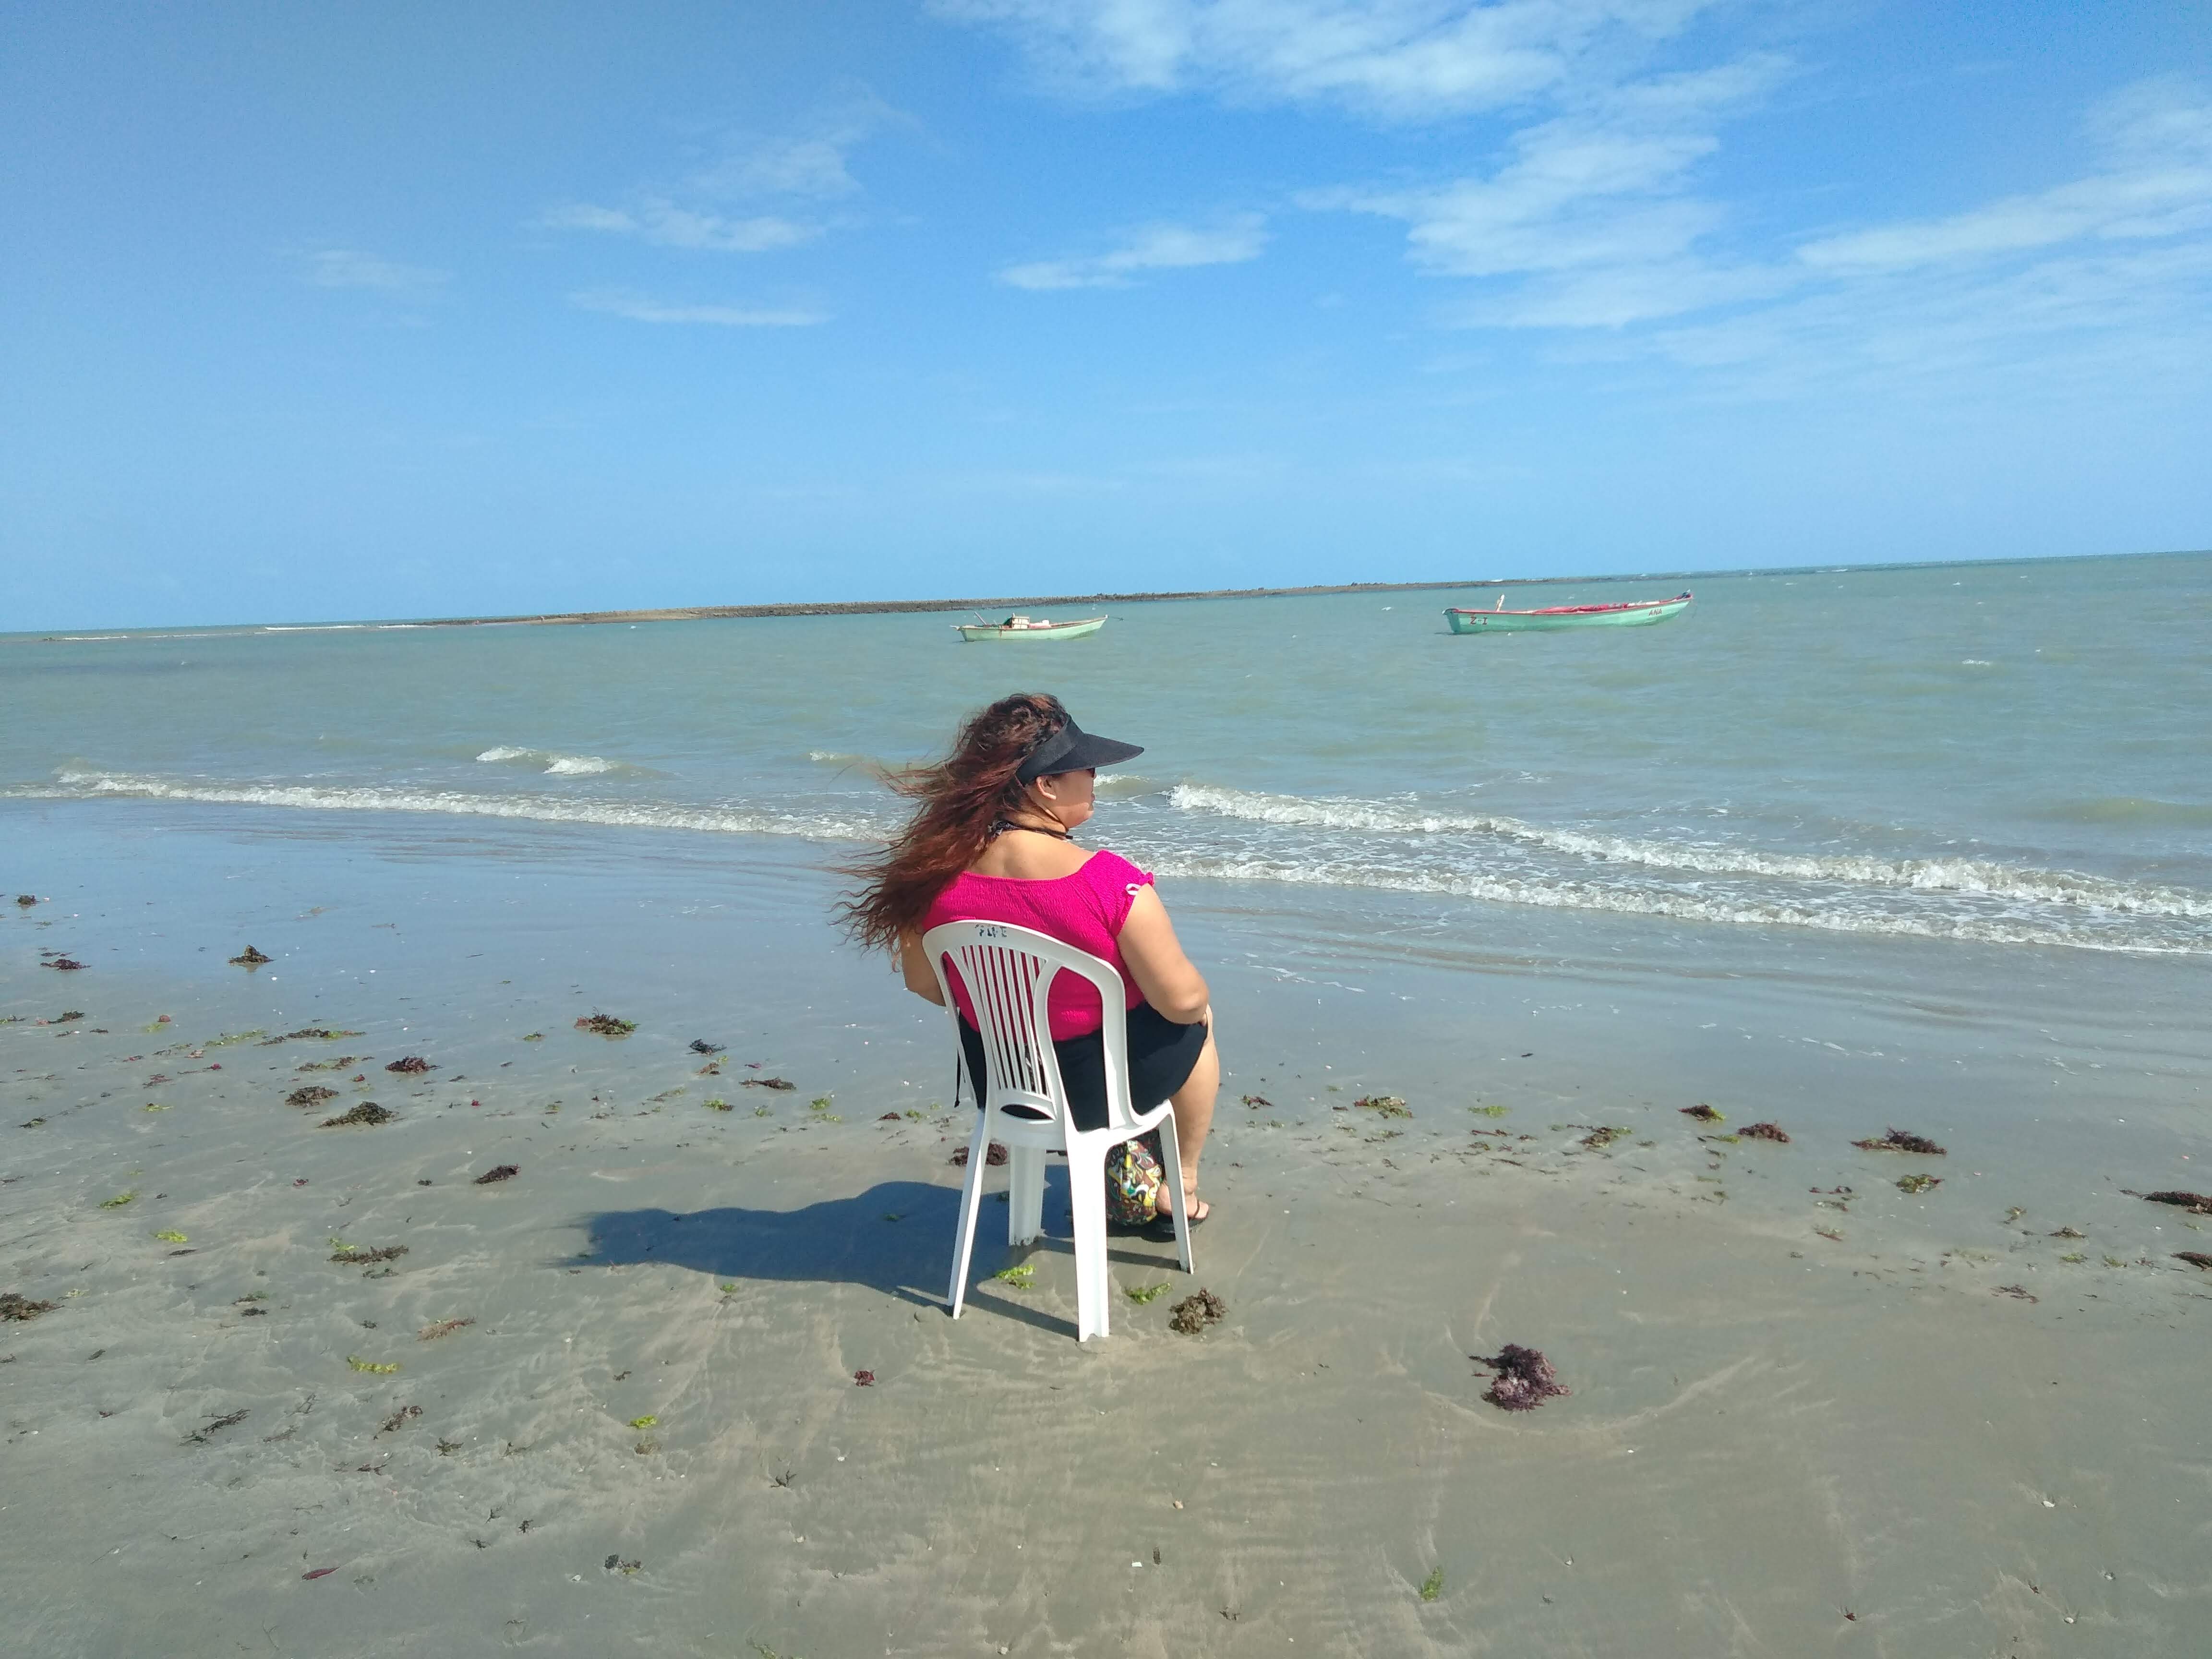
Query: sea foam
x=551, y=762
x=1708, y=857
x=1350, y=844
x=543, y=809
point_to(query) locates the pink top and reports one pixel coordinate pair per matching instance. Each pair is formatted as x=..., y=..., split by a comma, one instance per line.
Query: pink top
x=1085, y=907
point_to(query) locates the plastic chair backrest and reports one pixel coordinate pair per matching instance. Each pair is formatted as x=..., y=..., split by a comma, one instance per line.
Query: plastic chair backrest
x=1007, y=972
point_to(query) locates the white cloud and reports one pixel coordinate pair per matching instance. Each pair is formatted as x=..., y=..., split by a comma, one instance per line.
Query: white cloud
x=1401, y=60
x=2130, y=318
x=2160, y=133
x=1594, y=211
x=665, y=225
x=1153, y=247
x=810, y=162
x=1593, y=221
x=642, y=310
x=2096, y=288
x=809, y=165
x=336, y=267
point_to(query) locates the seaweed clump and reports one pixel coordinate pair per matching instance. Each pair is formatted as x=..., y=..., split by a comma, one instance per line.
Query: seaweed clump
x=2195, y=1203
x=1384, y=1105
x=775, y=1083
x=1194, y=1313
x=409, y=1064
x=1901, y=1140
x=67, y=964
x=312, y=1095
x=368, y=1112
x=250, y=958
x=503, y=1172
x=2195, y=1259
x=994, y=1157
x=199, y=1437
x=1598, y=1138
x=1917, y=1183
x=700, y=1046
x=1701, y=1113
x=354, y=1253
x=1524, y=1379
x=15, y=1306
x=1764, y=1132
x=606, y=1025
x=26, y=899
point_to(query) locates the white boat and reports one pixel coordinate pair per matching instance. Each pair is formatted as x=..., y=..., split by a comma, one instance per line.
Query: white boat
x=1030, y=628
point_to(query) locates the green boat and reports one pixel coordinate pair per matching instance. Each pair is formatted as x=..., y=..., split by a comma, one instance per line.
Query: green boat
x=1638, y=613
x=1025, y=627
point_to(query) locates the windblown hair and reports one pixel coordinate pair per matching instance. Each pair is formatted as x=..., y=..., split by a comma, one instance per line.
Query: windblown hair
x=961, y=797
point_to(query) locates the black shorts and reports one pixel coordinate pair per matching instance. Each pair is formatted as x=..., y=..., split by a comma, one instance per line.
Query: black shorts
x=1162, y=1055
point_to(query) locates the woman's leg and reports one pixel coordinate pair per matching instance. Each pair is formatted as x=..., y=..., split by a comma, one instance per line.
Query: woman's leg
x=1194, y=1117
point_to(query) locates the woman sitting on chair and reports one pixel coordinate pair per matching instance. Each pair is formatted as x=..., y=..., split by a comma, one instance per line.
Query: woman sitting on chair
x=992, y=841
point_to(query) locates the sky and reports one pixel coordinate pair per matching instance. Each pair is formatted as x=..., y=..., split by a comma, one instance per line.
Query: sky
x=388, y=310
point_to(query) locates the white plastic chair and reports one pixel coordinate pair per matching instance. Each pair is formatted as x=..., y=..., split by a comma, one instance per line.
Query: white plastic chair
x=1008, y=972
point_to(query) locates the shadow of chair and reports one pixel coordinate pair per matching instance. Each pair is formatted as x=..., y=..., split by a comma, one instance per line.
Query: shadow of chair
x=893, y=1237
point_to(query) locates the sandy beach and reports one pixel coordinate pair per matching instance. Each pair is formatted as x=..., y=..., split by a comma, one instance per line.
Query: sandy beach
x=609, y=1403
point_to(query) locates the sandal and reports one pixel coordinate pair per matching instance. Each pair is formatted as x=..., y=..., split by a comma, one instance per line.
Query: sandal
x=1162, y=1231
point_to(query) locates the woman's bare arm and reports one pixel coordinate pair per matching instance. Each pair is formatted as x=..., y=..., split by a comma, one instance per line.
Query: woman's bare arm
x=914, y=967
x=1155, y=960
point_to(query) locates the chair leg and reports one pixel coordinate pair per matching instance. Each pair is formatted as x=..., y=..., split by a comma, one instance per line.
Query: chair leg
x=1171, y=1155
x=971, y=1201
x=1086, y=1185
x=1024, y=1193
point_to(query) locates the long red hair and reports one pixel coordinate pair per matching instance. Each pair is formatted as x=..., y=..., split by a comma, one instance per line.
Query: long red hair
x=961, y=797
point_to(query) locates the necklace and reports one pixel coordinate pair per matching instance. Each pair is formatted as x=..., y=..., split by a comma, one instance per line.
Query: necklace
x=1002, y=825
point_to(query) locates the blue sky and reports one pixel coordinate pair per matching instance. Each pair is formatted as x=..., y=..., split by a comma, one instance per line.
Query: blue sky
x=353, y=310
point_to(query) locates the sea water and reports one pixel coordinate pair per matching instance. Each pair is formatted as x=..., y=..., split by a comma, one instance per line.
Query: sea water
x=2018, y=755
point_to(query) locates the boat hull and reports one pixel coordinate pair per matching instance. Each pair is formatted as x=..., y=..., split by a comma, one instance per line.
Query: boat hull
x=1550, y=621
x=974, y=633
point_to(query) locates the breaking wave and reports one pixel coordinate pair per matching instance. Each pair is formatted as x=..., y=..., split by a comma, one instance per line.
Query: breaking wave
x=1379, y=845
x=1969, y=876
x=1686, y=904
x=541, y=809
x=551, y=762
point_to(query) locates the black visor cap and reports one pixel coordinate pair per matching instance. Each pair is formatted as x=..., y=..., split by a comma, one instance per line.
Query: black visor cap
x=1072, y=749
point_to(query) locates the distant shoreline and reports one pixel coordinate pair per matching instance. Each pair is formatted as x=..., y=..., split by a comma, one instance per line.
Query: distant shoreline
x=893, y=607
x=1038, y=601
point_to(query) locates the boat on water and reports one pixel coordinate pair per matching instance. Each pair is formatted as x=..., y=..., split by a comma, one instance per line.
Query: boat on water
x=1635, y=614
x=1030, y=628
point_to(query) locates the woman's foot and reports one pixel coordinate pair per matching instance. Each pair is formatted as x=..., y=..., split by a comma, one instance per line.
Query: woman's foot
x=1163, y=1224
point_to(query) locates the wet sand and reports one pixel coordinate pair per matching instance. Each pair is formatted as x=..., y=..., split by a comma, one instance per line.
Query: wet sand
x=624, y=1413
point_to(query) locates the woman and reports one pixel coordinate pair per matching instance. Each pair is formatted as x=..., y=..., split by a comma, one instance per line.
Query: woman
x=993, y=839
